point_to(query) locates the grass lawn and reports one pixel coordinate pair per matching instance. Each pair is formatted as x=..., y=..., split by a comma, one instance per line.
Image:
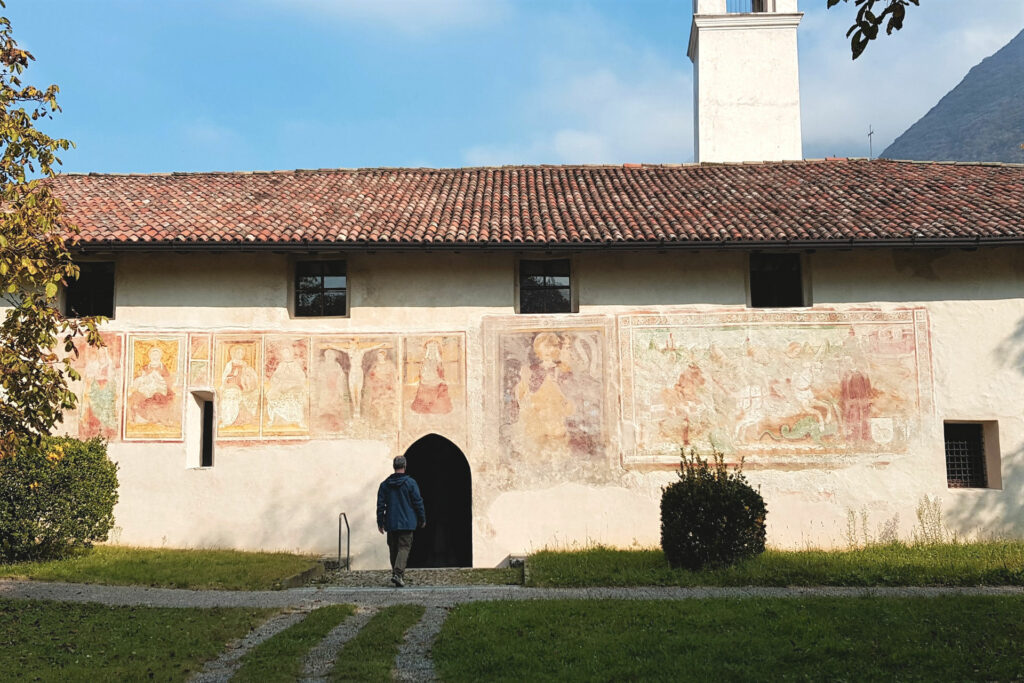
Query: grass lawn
x=370, y=655
x=121, y=565
x=948, y=638
x=968, y=564
x=280, y=658
x=52, y=641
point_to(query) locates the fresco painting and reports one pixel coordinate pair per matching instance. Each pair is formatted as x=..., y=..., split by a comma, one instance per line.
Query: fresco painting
x=239, y=359
x=755, y=384
x=199, y=360
x=275, y=386
x=433, y=386
x=354, y=389
x=153, y=404
x=552, y=399
x=286, y=387
x=99, y=389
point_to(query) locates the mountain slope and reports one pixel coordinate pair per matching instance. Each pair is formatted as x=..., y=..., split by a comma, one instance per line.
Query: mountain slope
x=981, y=119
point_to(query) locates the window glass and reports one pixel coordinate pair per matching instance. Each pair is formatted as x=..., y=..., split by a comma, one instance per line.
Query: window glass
x=544, y=286
x=321, y=288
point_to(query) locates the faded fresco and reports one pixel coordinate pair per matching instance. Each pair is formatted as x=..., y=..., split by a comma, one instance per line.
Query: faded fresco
x=354, y=387
x=238, y=364
x=286, y=386
x=199, y=360
x=553, y=404
x=99, y=389
x=753, y=384
x=153, y=403
x=434, y=386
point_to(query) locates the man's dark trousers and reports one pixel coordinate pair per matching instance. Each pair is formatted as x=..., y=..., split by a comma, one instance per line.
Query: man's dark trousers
x=399, y=543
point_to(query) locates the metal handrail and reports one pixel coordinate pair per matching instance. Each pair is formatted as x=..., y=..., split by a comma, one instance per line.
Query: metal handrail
x=348, y=541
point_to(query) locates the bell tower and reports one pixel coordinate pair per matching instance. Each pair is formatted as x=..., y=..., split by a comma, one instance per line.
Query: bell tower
x=746, y=81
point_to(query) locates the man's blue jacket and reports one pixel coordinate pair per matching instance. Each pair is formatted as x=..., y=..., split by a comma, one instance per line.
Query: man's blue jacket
x=399, y=504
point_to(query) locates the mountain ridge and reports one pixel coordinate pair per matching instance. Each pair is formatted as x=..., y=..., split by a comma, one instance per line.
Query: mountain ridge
x=981, y=119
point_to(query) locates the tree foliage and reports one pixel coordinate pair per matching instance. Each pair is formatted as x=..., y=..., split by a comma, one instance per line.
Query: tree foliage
x=870, y=20
x=34, y=259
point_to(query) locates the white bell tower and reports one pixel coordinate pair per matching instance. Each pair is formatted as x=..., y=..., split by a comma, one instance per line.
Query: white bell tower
x=746, y=81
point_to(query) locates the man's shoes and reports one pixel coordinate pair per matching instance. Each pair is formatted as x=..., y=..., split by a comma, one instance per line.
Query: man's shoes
x=397, y=580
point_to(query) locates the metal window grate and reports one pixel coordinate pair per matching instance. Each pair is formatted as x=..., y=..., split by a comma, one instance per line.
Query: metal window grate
x=965, y=456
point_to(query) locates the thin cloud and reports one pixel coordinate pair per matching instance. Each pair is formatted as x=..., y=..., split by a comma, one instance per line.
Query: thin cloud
x=601, y=96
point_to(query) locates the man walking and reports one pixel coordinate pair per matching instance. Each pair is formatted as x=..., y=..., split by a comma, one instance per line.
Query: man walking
x=399, y=512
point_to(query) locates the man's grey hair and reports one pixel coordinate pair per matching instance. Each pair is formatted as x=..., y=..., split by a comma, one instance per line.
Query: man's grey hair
x=399, y=462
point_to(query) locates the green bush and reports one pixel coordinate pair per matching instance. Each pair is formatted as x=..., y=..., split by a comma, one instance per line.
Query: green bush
x=57, y=495
x=711, y=517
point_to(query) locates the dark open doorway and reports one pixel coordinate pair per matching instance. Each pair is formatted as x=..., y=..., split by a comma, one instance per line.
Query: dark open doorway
x=441, y=471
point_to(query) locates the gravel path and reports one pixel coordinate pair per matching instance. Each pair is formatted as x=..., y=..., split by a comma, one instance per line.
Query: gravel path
x=320, y=659
x=221, y=670
x=413, y=662
x=434, y=596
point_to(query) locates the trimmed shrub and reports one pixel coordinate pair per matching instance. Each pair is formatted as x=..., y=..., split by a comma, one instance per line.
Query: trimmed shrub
x=57, y=496
x=711, y=517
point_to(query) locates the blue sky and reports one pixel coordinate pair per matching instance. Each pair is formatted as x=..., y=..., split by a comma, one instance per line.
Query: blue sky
x=194, y=85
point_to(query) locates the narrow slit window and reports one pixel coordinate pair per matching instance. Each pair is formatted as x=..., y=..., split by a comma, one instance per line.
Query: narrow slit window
x=206, y=445
x=545, y=286
x=776, y=281
x=321, y=288
x=92, y=293
x=965, y=455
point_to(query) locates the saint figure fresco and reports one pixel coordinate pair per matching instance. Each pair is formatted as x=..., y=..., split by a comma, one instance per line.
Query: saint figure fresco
x=287, y=388
x=153, y=407
x=433, y=386
x=238, y=386
x=553, y=396
x=99, y=404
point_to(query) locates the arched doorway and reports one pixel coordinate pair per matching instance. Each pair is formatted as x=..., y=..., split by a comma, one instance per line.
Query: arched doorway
x=441, y=471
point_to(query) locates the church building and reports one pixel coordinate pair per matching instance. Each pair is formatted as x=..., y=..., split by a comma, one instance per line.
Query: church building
x=541, y=341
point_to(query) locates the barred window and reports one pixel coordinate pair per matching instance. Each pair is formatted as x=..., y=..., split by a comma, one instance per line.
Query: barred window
x=321, y=288
x=965, y=456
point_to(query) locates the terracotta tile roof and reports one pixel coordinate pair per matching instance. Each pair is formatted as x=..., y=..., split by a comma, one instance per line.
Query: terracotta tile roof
x=834, y=201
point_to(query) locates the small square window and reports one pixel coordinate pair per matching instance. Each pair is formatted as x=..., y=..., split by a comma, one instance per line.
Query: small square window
x=92, y=293
x=545, y=286
x=776, y=281
x=321, y=288
x=965, y=455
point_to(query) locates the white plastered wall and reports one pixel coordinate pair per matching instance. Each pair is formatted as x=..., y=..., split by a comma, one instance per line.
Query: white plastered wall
x=287, y=495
